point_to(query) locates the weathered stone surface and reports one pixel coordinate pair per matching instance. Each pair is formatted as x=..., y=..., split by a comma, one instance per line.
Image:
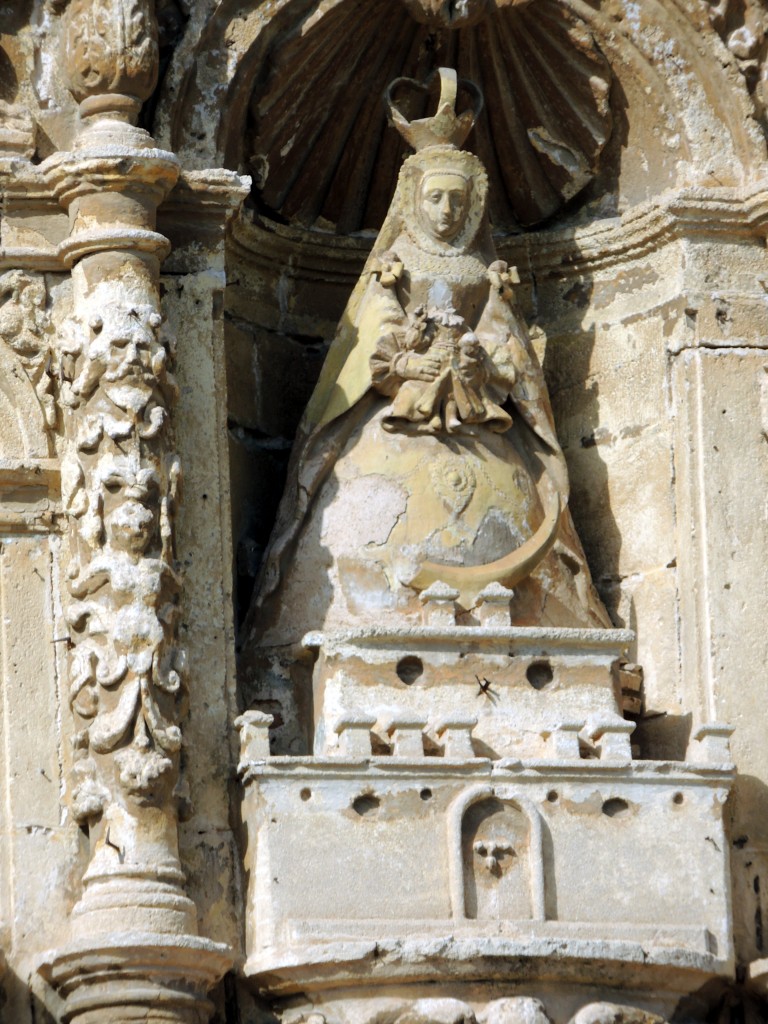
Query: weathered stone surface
x=254, y=359
x=636, y=131
x=207, y=624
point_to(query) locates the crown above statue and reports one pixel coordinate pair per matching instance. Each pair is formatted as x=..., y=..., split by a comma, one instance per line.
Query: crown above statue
x=445, y=127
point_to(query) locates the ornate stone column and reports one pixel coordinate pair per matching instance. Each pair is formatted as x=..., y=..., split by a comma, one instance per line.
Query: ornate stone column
x=135, y=952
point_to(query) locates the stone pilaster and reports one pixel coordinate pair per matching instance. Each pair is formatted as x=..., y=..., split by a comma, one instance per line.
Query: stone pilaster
x=135, y=953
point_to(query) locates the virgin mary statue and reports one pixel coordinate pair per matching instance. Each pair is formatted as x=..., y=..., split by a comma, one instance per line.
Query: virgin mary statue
x=427, y=453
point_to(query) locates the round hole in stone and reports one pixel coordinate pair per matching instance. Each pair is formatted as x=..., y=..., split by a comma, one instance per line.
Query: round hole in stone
x=615, y=807
x=539, y=674
x=426, y=794
x=366, y=803
x=552, y=796
x=409, y=669
x=678, y=798
x=305, y=794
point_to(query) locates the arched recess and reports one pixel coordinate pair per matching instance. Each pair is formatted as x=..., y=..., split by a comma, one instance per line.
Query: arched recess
x=664, y=55
x=681, y=118
x=675, y=114
x=495, y=843
x=24, y=360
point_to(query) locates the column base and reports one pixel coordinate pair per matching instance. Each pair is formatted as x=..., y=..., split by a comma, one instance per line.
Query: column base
x=137, y=977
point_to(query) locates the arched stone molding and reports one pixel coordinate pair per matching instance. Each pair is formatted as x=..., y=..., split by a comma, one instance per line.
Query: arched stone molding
x=458, y=811
x=668, y=61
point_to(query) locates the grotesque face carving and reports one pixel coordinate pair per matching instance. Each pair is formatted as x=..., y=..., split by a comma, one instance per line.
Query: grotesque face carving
x=444, y=204
x=131, y=526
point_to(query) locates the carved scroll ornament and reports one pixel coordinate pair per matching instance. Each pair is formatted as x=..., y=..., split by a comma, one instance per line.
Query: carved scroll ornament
x=120, y=485
x=112, y=49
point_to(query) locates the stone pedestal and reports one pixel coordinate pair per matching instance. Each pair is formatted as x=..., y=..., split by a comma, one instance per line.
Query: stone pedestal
x=533, y=869
x=533, y=850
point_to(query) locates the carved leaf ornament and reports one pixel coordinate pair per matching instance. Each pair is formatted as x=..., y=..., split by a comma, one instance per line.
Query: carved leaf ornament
x=319, y=147
x=120, y=483
x=112, y=47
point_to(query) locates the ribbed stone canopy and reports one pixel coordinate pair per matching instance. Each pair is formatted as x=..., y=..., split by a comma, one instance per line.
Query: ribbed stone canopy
x=320, y=149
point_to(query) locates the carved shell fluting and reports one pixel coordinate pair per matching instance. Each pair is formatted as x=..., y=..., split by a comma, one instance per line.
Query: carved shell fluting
x=112, y=47
x=320, y=149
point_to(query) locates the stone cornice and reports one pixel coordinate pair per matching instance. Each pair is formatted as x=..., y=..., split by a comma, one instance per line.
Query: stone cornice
x=682, y=773
x=27, y=187
x=217, y=191
x=30, y=495
x=730, y=214
x=689, y=213
x=695, y=212
x=111, y=169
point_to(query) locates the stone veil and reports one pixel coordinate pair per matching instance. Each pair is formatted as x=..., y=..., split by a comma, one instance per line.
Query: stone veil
x=432, y=408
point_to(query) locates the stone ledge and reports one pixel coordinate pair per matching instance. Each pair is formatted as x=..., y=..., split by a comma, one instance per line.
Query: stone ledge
x=651, y=772
x=554, y=959
x=613, y=641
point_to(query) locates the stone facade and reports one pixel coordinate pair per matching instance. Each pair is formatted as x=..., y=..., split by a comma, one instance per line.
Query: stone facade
x=455, y=714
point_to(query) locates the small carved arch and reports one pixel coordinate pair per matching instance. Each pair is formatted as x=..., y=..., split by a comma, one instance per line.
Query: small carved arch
x=495, y=831
x=23, y=432
x=24, y=365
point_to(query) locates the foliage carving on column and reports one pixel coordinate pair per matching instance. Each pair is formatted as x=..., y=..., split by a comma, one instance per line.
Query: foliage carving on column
x=122, y=484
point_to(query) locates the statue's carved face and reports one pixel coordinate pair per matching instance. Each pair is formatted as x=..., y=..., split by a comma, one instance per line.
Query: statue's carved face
x=443, y=204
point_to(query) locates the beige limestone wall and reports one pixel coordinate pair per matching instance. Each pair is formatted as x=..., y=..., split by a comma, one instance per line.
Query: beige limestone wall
x=193, y=305
x=41, y=862
x=655, y=362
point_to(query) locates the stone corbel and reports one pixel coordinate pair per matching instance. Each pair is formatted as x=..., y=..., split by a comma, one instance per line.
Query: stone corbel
x=121, y=482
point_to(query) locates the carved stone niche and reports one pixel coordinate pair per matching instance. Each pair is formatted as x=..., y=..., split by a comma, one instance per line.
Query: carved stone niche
x=466, y=754
x=26, y=366
x=29, y=474
x=496, y=847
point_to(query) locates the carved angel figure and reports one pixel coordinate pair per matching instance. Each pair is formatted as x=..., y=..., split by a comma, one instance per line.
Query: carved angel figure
x=428, y=451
